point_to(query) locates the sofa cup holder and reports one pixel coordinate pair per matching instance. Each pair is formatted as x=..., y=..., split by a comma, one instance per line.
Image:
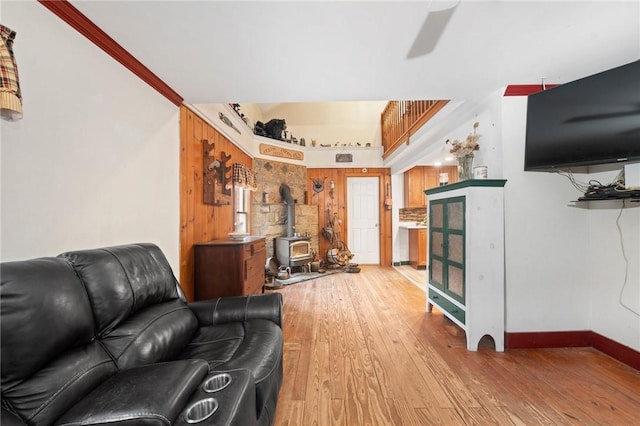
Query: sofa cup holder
x=201, y=410
x=217, y=383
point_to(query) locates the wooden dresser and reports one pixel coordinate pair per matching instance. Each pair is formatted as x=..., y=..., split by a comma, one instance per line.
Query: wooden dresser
x=229, y=267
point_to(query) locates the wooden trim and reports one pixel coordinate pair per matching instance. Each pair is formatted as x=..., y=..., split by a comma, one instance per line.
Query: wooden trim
x=526, y=89
x=76, y=19
x=551, y=339
x=616, y=350
x=568, y=339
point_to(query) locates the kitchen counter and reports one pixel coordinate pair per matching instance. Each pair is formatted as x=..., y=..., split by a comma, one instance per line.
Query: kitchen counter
x=411, y=225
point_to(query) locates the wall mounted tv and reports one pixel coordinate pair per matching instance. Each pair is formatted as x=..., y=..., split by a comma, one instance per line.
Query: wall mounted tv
x=593, y=120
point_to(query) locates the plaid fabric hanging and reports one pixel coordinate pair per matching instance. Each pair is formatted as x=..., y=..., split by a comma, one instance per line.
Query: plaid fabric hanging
x=10, y=96
x=244, y=177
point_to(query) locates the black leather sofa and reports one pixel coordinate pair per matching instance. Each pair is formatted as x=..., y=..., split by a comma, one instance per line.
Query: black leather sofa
x=105, y=336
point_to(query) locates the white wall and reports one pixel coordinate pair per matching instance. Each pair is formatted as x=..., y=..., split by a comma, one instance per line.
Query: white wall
x=546, y=240
x=564, y=266
x=400, y=241
x=615, y=311
x=487, y=113
x=95, y=160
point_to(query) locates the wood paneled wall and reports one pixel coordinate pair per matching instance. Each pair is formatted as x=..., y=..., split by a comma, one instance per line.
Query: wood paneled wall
x=200, y=222
x=327, y=205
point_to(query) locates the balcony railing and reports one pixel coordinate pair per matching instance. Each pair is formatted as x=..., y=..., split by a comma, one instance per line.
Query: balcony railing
x=401, y=119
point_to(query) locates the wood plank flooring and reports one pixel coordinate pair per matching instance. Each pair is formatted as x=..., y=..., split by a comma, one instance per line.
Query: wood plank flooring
x=361, y=350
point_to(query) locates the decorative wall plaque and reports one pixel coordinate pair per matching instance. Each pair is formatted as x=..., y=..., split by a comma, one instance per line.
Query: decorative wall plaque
x=216, y=176
x=344, y=158
x=228, y=122
x=277, y=151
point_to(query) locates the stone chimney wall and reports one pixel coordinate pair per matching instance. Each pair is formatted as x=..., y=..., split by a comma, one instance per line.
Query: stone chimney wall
x=269, y=212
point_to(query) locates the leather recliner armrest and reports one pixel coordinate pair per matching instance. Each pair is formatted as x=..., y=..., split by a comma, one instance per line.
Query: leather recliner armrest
x=7, y=418
x=149, y=395
x=239, y=308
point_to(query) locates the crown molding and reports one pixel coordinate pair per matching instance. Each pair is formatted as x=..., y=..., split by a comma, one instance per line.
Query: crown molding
x=76, y=19
x=526, y=89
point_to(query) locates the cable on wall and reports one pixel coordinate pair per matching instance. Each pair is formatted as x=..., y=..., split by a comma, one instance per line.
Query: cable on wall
x=580, y=186
x=626, y=263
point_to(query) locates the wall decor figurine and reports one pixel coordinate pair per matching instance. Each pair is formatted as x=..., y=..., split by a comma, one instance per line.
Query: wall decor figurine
x=318, y=184
x=236, y=108
x=274, y=129
x=259, y=130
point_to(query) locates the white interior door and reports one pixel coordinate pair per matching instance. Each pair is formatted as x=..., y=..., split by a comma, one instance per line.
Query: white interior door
x=363, y=216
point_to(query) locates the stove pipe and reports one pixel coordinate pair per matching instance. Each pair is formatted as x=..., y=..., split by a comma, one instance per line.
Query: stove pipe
x=285, y=192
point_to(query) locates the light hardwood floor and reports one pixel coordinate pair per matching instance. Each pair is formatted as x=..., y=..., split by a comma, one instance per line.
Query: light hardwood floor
x=416, y=276
x=360, y=350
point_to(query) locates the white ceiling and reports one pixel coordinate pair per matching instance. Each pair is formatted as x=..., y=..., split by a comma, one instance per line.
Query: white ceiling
x=301, y=51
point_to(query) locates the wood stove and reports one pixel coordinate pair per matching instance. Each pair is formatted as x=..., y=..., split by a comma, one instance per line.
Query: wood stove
x=293, y=251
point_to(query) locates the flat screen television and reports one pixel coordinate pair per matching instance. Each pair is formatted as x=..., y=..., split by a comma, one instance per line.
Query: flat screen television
x=593, y=120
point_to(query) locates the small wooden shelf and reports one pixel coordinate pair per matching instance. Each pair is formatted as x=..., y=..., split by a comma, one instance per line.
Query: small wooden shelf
x=630, y=199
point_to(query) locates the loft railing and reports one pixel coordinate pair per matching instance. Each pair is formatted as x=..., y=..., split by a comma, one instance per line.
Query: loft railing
x=401, y=119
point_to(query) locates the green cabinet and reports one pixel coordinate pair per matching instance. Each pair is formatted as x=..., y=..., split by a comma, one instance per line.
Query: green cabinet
x=465, y=281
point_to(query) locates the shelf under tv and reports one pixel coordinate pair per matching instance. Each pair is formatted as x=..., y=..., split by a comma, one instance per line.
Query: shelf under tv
x=633, y=199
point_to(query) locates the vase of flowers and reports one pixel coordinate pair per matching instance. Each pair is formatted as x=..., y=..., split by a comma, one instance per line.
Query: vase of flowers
x=463, y=152
x=465, y=167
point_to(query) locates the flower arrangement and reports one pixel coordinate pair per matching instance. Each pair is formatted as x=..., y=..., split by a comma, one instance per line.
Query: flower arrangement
x=467, y=146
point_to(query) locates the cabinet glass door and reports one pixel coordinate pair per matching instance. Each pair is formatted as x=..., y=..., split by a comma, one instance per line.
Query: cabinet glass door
x=436, y=244
x=447, y=246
